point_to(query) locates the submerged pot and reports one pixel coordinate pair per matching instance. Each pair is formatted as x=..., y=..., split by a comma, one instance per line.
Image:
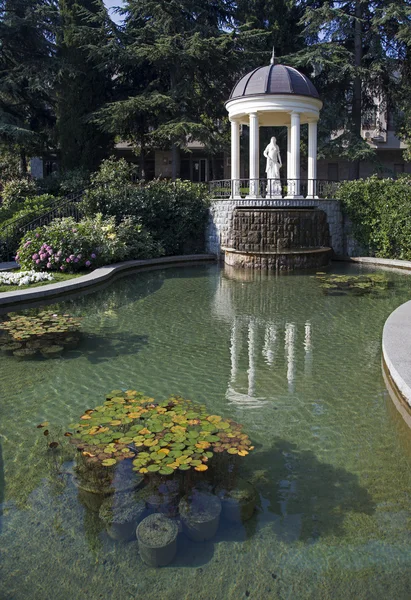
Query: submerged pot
x=157, y=540
x=238, y=502
x=162, y=497
x=121, y=513
x=200, y=515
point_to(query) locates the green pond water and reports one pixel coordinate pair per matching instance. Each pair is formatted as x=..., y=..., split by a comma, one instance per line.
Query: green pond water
x=301, y=371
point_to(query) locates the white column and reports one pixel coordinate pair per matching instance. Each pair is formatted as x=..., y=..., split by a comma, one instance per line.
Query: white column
x=235, y=159
x=289, y=166
x=295, y=175
x=254, y=156
x=312, y=159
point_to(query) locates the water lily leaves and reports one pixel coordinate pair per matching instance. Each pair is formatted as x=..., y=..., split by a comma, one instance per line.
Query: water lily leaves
x=232, y=451
x=201, y=468
x=212, y=438
x=125, y=440
x=153, y=468
x=109, y=462
x=166, y=470
x=242, y=453
x=184, y=467
x=115, y=422
x=143, y=471
x=149, y=442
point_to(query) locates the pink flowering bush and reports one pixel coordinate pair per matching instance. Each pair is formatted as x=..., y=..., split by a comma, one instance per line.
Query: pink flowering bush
x=67, y=246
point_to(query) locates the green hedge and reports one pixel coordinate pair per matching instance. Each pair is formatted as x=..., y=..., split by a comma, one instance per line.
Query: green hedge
x=380, y=212
x=175, y=212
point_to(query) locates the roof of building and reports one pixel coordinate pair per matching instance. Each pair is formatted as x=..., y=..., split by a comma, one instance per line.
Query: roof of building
x=274, y=79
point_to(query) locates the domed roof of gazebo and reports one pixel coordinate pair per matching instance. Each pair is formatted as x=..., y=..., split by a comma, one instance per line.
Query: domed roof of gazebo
x=274, y=80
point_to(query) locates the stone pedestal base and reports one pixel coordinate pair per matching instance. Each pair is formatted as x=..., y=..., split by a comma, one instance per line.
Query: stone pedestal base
x=284, y=260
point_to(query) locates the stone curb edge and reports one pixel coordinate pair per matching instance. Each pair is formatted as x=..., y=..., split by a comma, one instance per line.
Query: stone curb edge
x=100, y=275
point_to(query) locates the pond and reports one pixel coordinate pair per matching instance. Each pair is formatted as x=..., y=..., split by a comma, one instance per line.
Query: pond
x=299, y=368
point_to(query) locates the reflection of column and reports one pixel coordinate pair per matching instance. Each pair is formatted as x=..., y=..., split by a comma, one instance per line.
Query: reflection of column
x=290, y=354
x=254, y=156
x=235, y=159
x=270, y=337
x=251, y=358
x=308, y=358
x=234, y=350
x=312, y=159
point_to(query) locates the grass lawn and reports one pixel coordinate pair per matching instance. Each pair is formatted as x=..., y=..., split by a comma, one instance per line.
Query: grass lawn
x=57, y=278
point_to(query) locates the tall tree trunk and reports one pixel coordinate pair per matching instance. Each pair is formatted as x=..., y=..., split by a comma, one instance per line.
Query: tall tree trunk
x=357, y=86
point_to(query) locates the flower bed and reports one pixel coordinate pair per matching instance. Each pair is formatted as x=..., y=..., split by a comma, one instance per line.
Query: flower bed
x=23, y=277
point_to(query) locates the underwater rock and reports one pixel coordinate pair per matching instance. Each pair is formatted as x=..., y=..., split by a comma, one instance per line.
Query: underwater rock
x=200, y=515
x=157, y=540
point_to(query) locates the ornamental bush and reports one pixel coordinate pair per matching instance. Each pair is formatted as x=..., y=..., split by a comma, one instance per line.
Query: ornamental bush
x=380, y=212
x=67, y=246
x=175, y=212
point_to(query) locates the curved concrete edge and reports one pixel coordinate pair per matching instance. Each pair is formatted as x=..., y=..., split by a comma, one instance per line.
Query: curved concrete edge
x=100, y=275
x=378, y=262
x=396, y=348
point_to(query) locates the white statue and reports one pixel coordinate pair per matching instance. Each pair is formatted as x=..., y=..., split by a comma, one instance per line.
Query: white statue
x=273, y=166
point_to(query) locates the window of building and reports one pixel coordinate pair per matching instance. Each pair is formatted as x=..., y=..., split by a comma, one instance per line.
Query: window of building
x=369, y=118
x=333, y=172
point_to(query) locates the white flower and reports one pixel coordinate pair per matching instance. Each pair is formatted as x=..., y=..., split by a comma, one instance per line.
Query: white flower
x=23, y=277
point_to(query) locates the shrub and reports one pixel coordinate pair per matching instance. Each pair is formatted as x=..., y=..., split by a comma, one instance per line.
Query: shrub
x=15, y=191
x=380, y=212
x=64, y=183
x=69, y=246
x=174, y=212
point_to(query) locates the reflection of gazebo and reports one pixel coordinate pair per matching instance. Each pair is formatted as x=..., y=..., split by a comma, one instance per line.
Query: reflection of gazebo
x=275, y=95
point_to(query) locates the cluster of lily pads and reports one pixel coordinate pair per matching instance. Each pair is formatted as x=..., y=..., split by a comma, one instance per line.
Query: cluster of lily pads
x=357, y=285
x=46, y=333
x=158, y=437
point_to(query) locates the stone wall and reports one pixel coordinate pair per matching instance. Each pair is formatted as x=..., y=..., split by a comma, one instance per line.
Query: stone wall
x=221, y=211
x=276, y=229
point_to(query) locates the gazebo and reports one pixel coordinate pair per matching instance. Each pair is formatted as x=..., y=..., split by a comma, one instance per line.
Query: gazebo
x=274, y=95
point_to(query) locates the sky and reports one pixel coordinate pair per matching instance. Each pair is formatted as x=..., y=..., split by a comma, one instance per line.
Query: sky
x=113, y=4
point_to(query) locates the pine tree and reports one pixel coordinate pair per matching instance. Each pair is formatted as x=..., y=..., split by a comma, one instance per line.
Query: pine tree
x=183, y=58
x=83, y=84
x=352, y=48
x=27, y=72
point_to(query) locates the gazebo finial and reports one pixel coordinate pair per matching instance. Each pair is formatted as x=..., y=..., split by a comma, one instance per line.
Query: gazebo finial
x=272, y=61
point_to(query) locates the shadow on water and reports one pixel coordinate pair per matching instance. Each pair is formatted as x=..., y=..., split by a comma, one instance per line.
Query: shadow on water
x=2, y=487
x=308, y=499
x=99, y=348
x=302, y=498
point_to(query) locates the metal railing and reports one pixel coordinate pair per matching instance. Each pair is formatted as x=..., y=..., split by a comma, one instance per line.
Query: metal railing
x=11, y=234
x=274, y=189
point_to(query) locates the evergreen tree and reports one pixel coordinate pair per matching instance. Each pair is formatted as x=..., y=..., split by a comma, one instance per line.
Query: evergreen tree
x=84, y=83
x=184, y=58
x=27, y=71
x=353, y=48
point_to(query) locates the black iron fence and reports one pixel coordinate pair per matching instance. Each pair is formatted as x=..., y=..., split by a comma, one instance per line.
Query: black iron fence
x=12, y=232
x=272, y=188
